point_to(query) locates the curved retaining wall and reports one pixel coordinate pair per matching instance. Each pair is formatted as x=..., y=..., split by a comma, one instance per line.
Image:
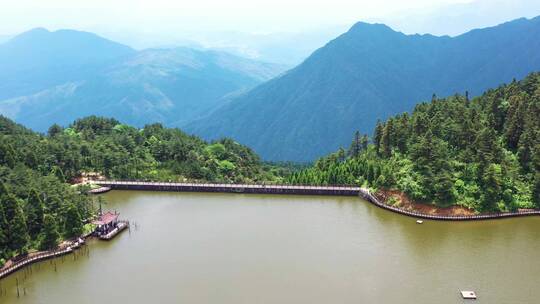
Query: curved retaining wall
x=42, y=256
x=34, y=259
x=365, y=194
x=297, y=189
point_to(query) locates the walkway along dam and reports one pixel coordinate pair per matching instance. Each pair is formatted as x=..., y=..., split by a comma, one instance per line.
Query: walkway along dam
x=107, y=185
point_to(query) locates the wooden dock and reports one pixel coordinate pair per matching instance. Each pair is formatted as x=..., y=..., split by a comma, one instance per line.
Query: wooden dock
x=99, y=190
x=40, y=257
x=300, y=190
x=122, y=225
x=232, y=188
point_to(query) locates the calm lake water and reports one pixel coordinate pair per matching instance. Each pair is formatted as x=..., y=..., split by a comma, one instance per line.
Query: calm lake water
x=233, y=248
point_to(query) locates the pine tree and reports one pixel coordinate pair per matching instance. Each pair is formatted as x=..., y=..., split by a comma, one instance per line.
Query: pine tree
x=525, y=153
x=54, y=130
x=17, y=230
x=3, y=190
x=492, y=181
x=487, y=146
x=443, y=185
x=355, y=145
x=515, y=121
x=50, y=233
x=73, y=226
x=370, y=175
x=377, y=136
x=422, y=152
x=7, y=154
x=3, y=232
x=341, y=154
x=34, y=213
x=536, y=190
x=386, y=140
x=401, y=133
x=364, y=142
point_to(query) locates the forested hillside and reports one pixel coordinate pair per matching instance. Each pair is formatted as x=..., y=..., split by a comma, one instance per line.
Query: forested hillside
x=483, y=154
x=38, y=207
x=371, y=72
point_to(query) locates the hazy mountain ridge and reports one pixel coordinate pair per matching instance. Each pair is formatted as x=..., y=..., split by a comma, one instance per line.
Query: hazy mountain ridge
x=370, y=72
x=172, y=86
x=39, y=59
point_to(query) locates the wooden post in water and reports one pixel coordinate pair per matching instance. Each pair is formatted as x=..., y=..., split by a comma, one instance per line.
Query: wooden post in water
x=17, y=280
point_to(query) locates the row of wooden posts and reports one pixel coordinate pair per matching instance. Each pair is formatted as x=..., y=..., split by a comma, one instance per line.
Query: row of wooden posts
x=341, y=190
x=28, y=265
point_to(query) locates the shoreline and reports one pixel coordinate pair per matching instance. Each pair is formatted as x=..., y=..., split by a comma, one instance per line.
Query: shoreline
x=34, y=257
x=300, y=189
x=368, y=196
x=68, y=247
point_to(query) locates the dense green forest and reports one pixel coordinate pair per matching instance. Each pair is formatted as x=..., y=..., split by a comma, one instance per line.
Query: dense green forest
x=371, y=71
x=483, y=154
x=38, y=207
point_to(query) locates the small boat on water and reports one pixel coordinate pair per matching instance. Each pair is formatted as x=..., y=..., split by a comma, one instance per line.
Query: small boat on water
x=466, y=294
x=419, y=222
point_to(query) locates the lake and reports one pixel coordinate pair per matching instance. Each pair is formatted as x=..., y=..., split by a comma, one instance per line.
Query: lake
x=237, y=248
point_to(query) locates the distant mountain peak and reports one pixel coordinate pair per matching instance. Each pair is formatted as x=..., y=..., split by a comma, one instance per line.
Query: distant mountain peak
x=64, y=37
x=38, y=59
x=371, y=28
x=38, y=30
x=370, y=72
x=35, y=33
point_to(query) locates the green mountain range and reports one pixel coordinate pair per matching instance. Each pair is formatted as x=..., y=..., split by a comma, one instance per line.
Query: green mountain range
x=366, y=74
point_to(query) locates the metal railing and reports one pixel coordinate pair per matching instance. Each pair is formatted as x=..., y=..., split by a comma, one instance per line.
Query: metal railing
x=365, y=193
x=34, y=258
x=372, y=199
x=229, y=185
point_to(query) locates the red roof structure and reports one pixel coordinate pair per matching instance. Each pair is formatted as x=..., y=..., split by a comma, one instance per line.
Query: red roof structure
x=106, y=218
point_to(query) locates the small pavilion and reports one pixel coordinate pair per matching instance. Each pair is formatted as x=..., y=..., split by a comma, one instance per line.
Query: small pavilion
x=106, y=223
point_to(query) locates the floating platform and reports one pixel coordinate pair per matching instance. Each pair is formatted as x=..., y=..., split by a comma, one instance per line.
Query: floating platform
x=100, y=190
x=466, y=294
x=122, y=225
x=77, y=244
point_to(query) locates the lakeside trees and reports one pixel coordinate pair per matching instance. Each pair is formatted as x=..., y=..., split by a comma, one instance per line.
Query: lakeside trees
x=482, y=153
x=37, y=206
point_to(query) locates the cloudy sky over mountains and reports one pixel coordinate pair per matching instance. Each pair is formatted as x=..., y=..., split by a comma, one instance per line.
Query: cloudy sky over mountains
x=259, y=29
x=260, y=16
